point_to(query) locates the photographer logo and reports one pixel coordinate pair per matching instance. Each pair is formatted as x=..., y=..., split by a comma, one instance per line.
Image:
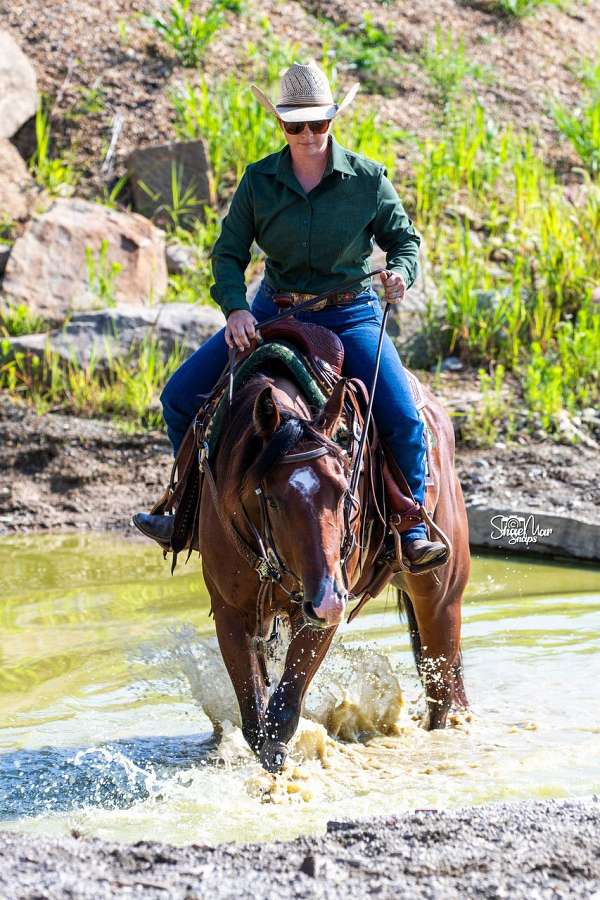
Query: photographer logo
x=517, y=529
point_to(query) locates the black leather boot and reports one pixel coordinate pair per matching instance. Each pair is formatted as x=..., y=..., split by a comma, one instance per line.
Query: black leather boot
x=159, y=528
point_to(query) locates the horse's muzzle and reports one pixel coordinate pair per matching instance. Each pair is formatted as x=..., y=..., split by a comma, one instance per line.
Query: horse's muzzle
x=327, y=606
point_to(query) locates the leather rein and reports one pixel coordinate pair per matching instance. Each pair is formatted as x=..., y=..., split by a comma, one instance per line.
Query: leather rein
x=268, y=563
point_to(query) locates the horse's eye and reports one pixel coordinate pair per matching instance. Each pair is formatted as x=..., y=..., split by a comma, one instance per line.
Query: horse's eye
x=272, y=503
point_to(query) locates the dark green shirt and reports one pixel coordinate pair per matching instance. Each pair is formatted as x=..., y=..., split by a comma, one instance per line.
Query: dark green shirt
x=317, y=241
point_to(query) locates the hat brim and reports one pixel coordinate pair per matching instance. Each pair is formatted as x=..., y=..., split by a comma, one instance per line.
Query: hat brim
x=305, y=113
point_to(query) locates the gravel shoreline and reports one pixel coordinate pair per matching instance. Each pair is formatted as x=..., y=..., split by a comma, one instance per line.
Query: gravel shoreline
x=532, y=849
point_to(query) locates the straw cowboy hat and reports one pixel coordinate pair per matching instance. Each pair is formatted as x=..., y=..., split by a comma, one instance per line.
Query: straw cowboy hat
x=304, y=95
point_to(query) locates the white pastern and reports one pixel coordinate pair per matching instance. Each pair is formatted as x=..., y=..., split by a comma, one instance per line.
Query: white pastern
x=305, y=481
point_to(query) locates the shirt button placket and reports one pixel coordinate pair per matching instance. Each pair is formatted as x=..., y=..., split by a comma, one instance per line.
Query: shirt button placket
x=306, y=225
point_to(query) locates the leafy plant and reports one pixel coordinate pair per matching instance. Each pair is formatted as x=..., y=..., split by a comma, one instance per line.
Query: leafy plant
x=7, y=228
x=51, y=173
x=110, y=194
x=193, y=286
x=487, y=421
x=188, y=34
x=91, y=101
x=17, y=319
x=102, y=274
x=182, y=209
x=367, y=48
x=122, y=31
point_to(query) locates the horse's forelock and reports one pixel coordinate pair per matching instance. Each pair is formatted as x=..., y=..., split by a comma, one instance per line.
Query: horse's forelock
x=240, y=443
x=283, y=440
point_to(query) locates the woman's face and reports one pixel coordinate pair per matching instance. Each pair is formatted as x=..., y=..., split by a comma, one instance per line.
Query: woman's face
x=307, y=141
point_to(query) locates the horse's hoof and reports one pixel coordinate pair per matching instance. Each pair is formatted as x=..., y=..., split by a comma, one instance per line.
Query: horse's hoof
x=273, y=755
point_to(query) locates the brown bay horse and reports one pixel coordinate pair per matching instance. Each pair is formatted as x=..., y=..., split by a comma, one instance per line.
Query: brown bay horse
x=280, y=483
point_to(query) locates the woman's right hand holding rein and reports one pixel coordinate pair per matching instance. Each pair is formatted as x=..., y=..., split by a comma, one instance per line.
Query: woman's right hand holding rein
x=239, y=329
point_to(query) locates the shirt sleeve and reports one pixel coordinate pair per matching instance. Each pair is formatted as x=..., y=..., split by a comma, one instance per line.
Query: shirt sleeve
x=231, y=252
x=394, y=232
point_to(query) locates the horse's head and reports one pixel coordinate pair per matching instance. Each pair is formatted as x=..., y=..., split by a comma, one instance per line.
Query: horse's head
x=304, y=494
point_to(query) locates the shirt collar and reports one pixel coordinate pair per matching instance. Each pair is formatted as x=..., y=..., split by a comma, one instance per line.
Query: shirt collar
x=282, y=163
x=339, y=160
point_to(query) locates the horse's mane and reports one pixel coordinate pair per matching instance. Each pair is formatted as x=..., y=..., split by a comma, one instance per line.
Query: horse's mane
x=243, y=458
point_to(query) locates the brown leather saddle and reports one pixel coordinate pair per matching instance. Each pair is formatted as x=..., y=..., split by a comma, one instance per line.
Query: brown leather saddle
x=388, y=496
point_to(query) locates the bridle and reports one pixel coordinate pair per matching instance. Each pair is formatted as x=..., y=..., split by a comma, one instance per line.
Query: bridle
x=271, y=567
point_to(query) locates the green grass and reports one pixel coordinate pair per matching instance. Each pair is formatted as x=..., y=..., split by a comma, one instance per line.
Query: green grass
x=188, y=33
x=516, y=9
x=17, y=319
x=8, y=229
x=514, y=260
x=581, y=126
x=366, y=50
x=493, y=418
x=54, y=173
x=127, y=390
x=522, y=8
x=102, y=274
x=448, y=67
x=181, y=210
x=90, y=101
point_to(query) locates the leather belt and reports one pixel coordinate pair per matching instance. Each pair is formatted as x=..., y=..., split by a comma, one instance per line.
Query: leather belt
x=285, y=299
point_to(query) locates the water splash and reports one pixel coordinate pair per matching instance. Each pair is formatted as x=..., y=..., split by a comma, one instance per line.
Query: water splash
x=355, y=694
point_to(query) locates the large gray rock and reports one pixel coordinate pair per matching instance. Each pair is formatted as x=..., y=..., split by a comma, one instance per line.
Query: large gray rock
x=151, y=171
x=18, y=88
x=115, y=332
x=531, y=532
x=81, y=255
x=17, y=188
x=181, y=259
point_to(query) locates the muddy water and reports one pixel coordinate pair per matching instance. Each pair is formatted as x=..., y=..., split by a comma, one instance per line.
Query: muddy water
x=110, y=684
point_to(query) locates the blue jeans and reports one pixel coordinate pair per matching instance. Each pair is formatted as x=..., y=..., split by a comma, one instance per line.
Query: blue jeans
x=357, y=325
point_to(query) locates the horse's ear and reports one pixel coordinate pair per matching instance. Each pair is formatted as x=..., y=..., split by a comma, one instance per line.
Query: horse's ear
x=266, y=416
x=329, y=419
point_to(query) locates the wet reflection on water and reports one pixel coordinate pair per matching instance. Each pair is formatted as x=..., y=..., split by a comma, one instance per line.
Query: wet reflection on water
x=110, y=681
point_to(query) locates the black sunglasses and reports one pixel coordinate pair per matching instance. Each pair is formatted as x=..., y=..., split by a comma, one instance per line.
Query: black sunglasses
x=318, y=127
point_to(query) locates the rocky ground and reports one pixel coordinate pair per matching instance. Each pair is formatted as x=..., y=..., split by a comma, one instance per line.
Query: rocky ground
x=525, y=850
x=62, y=472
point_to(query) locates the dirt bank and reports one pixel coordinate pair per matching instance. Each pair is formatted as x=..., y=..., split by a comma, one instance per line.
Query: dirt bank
x=98, y=59
x=65, y=473
x=524, y=850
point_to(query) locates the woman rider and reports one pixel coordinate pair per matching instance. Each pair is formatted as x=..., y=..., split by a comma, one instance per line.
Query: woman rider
x=314, y=207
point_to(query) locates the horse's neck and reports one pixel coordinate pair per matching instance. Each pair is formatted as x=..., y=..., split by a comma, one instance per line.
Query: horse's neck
x=288, y=395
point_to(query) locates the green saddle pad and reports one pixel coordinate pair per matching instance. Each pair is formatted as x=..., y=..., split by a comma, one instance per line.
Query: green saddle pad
x=271, y=351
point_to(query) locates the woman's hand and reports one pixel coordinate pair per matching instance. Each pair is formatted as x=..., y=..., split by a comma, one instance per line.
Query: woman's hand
x=239, y=329
x=394, y=286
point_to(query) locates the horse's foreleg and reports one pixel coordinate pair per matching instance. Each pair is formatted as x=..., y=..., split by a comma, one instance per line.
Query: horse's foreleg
x=439, y=658
x=236, y=643
x=304, y=656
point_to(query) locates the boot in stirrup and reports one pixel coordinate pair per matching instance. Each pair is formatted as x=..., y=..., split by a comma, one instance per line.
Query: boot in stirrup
x=159, y=528
x=420, y=551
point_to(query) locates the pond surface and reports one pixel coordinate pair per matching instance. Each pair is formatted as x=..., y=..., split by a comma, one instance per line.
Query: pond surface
x=110, y=681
